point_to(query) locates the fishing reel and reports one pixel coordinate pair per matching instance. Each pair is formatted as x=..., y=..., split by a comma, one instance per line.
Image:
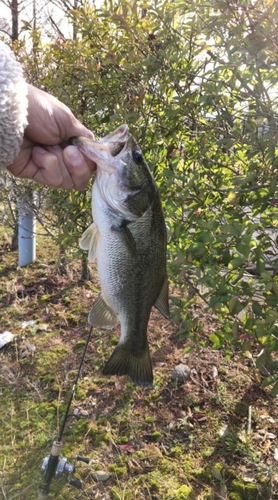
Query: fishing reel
x=65, y=468
x=55, y=466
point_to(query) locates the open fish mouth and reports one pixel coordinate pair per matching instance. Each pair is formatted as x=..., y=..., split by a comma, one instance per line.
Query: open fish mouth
x=106, y=152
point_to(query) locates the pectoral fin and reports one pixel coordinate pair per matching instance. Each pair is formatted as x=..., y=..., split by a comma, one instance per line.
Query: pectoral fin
x=88, y=241
x=102, y=315
x=125, y=235
x=162, y=302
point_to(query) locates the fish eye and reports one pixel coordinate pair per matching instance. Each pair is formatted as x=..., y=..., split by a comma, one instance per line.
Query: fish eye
x=137, y=155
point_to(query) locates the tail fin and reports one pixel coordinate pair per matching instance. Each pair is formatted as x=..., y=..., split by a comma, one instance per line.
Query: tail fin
x=124, y=361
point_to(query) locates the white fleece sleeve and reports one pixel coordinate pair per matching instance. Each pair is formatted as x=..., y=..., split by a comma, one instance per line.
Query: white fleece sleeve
x=13, y=106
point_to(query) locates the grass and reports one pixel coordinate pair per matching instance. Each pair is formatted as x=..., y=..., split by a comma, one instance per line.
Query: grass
x=174, y=442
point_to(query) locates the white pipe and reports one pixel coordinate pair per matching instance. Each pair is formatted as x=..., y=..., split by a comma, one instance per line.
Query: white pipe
x=26, y=232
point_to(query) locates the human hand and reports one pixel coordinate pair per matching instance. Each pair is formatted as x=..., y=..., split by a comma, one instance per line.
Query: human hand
x=42, y=157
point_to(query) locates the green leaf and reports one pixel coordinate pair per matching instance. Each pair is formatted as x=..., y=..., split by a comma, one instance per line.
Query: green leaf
x=267, y=381
x=216, y=342
x=235, y=306
x=266, y=276
x=274, y=390
x=243, y=249
x=188, y=348
x=257, y=309
x=235, y=263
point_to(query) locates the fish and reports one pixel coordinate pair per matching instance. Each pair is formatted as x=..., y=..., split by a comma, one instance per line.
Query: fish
x=128, y=241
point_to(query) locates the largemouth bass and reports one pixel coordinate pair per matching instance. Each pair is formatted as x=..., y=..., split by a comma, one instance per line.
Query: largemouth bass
x=128, y=240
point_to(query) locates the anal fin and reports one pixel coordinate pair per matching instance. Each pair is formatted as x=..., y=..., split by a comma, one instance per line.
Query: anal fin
x=102, y=315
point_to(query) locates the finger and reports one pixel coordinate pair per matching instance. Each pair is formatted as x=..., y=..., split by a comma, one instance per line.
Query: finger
x=18, y=167
x=76, y=128
x=51, y=169
x=78, y=166
x=69, y=126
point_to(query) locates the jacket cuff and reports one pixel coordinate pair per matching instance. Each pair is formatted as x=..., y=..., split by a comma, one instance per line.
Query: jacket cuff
x=13, y=106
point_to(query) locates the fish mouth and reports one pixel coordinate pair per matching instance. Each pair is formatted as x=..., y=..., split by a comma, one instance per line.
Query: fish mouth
x=107, y=151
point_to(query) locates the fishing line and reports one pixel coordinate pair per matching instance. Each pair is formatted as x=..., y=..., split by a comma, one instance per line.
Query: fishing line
x=54, y=465
x=75, y=385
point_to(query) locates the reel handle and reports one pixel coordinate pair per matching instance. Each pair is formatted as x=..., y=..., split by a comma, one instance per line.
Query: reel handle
x=76, y=483
x=78, y=458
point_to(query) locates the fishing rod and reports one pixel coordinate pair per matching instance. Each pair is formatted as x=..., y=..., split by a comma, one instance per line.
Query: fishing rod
x=55, y=465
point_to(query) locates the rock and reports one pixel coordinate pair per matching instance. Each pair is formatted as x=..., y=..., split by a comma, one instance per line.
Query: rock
x=181, y=373
x=5, y=338
x=101, y=475
x=84, y=413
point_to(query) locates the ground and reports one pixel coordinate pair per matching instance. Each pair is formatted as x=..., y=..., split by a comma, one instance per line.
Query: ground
x=212, y=437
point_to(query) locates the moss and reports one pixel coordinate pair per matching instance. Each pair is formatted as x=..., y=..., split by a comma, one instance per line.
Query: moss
x=208, y=451
x=50, y=362
x=243, y=491
x=120, y=471
x=98, y=436
x=123, y=440
x=80, y=394
x=156, y=436
x=154, y=486
x=184, y=493
x=176, y=451
x=93, y=429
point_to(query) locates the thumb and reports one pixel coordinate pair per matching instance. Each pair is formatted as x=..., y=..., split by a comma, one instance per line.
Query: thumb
x=76, y=128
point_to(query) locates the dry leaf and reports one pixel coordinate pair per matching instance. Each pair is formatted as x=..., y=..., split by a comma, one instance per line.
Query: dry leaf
x=216, y=473
x=270, y=435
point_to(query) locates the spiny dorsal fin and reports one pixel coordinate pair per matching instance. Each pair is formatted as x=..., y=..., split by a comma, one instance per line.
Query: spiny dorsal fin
x=162, y=302
x=102, y=315
x=124, y=362
x=88, y=241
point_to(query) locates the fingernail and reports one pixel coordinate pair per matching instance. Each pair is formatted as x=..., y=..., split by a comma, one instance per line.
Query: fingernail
x=74, y=156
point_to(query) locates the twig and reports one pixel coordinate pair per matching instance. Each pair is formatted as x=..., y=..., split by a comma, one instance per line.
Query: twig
x=4, y=493
x=249, y=420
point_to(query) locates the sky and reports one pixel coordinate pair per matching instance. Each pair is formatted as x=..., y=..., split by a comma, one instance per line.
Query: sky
x=44, y=9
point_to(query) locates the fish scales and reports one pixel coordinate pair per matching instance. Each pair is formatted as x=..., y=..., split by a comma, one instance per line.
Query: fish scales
x=128, y=240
